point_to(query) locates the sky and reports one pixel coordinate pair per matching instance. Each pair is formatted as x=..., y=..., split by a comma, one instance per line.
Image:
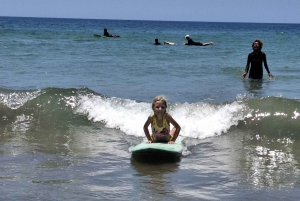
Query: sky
x=261, y=11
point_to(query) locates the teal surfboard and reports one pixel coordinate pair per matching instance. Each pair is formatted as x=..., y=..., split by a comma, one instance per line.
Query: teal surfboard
x=157, y=152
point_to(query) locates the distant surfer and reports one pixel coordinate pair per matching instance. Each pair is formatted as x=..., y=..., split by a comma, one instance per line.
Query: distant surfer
x=105, y=33
x=256, y=59
x=156, y=42
x=165, y=42
x=191, y=42
x=160, y=123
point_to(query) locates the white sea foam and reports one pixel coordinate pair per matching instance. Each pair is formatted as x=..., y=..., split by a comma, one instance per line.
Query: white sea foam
x=17, y=99
x=197, y=120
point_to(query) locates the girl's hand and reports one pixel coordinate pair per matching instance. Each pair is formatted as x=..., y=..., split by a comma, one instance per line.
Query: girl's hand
x=149, y=142
x=171, y=142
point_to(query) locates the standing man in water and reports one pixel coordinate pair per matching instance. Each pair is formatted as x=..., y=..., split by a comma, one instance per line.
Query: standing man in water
x=256, y=59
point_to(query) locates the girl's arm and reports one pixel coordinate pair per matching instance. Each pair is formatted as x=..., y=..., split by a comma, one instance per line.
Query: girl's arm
x=146, y=130
x=176, y=125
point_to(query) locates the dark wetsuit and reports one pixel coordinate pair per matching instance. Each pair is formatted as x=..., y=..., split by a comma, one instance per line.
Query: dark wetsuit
x=107, y=34
x=256, y=60
x=191, y=42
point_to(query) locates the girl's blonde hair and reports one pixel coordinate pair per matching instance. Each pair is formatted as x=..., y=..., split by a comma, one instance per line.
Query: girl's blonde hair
x=161, y=98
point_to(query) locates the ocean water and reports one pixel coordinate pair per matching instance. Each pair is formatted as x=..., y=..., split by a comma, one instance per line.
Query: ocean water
x=73, y=105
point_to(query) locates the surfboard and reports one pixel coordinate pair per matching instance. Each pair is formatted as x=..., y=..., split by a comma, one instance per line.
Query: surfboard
x=157, y=152
x=169, y=43
x=102, y=36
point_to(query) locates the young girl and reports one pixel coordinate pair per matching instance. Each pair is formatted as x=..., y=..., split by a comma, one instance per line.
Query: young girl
x=256, y=59
x=160, y=123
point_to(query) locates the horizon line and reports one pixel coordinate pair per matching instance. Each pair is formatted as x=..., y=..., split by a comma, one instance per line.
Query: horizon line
x=148, y=20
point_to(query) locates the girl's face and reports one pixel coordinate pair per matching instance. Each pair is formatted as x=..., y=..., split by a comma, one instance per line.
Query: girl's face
x=159, y=108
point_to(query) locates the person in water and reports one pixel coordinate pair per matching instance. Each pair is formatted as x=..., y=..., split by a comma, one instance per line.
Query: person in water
x=191, y=42
x=105, y=33
x=165, y=42
x=256, y=59
x=160, y=123
x=156, y=42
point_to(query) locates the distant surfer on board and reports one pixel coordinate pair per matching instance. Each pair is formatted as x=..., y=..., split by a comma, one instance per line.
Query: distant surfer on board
x=256, y=59
x=156, y=42
x=160, y=123
x=191, y=42
x=165, y=42
x=105, y=33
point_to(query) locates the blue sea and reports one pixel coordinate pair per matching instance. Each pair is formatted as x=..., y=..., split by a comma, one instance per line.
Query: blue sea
x=73, y=105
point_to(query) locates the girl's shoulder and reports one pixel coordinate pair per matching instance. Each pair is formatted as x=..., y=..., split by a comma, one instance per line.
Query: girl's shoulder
x=151, y=116
x=168, y=116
